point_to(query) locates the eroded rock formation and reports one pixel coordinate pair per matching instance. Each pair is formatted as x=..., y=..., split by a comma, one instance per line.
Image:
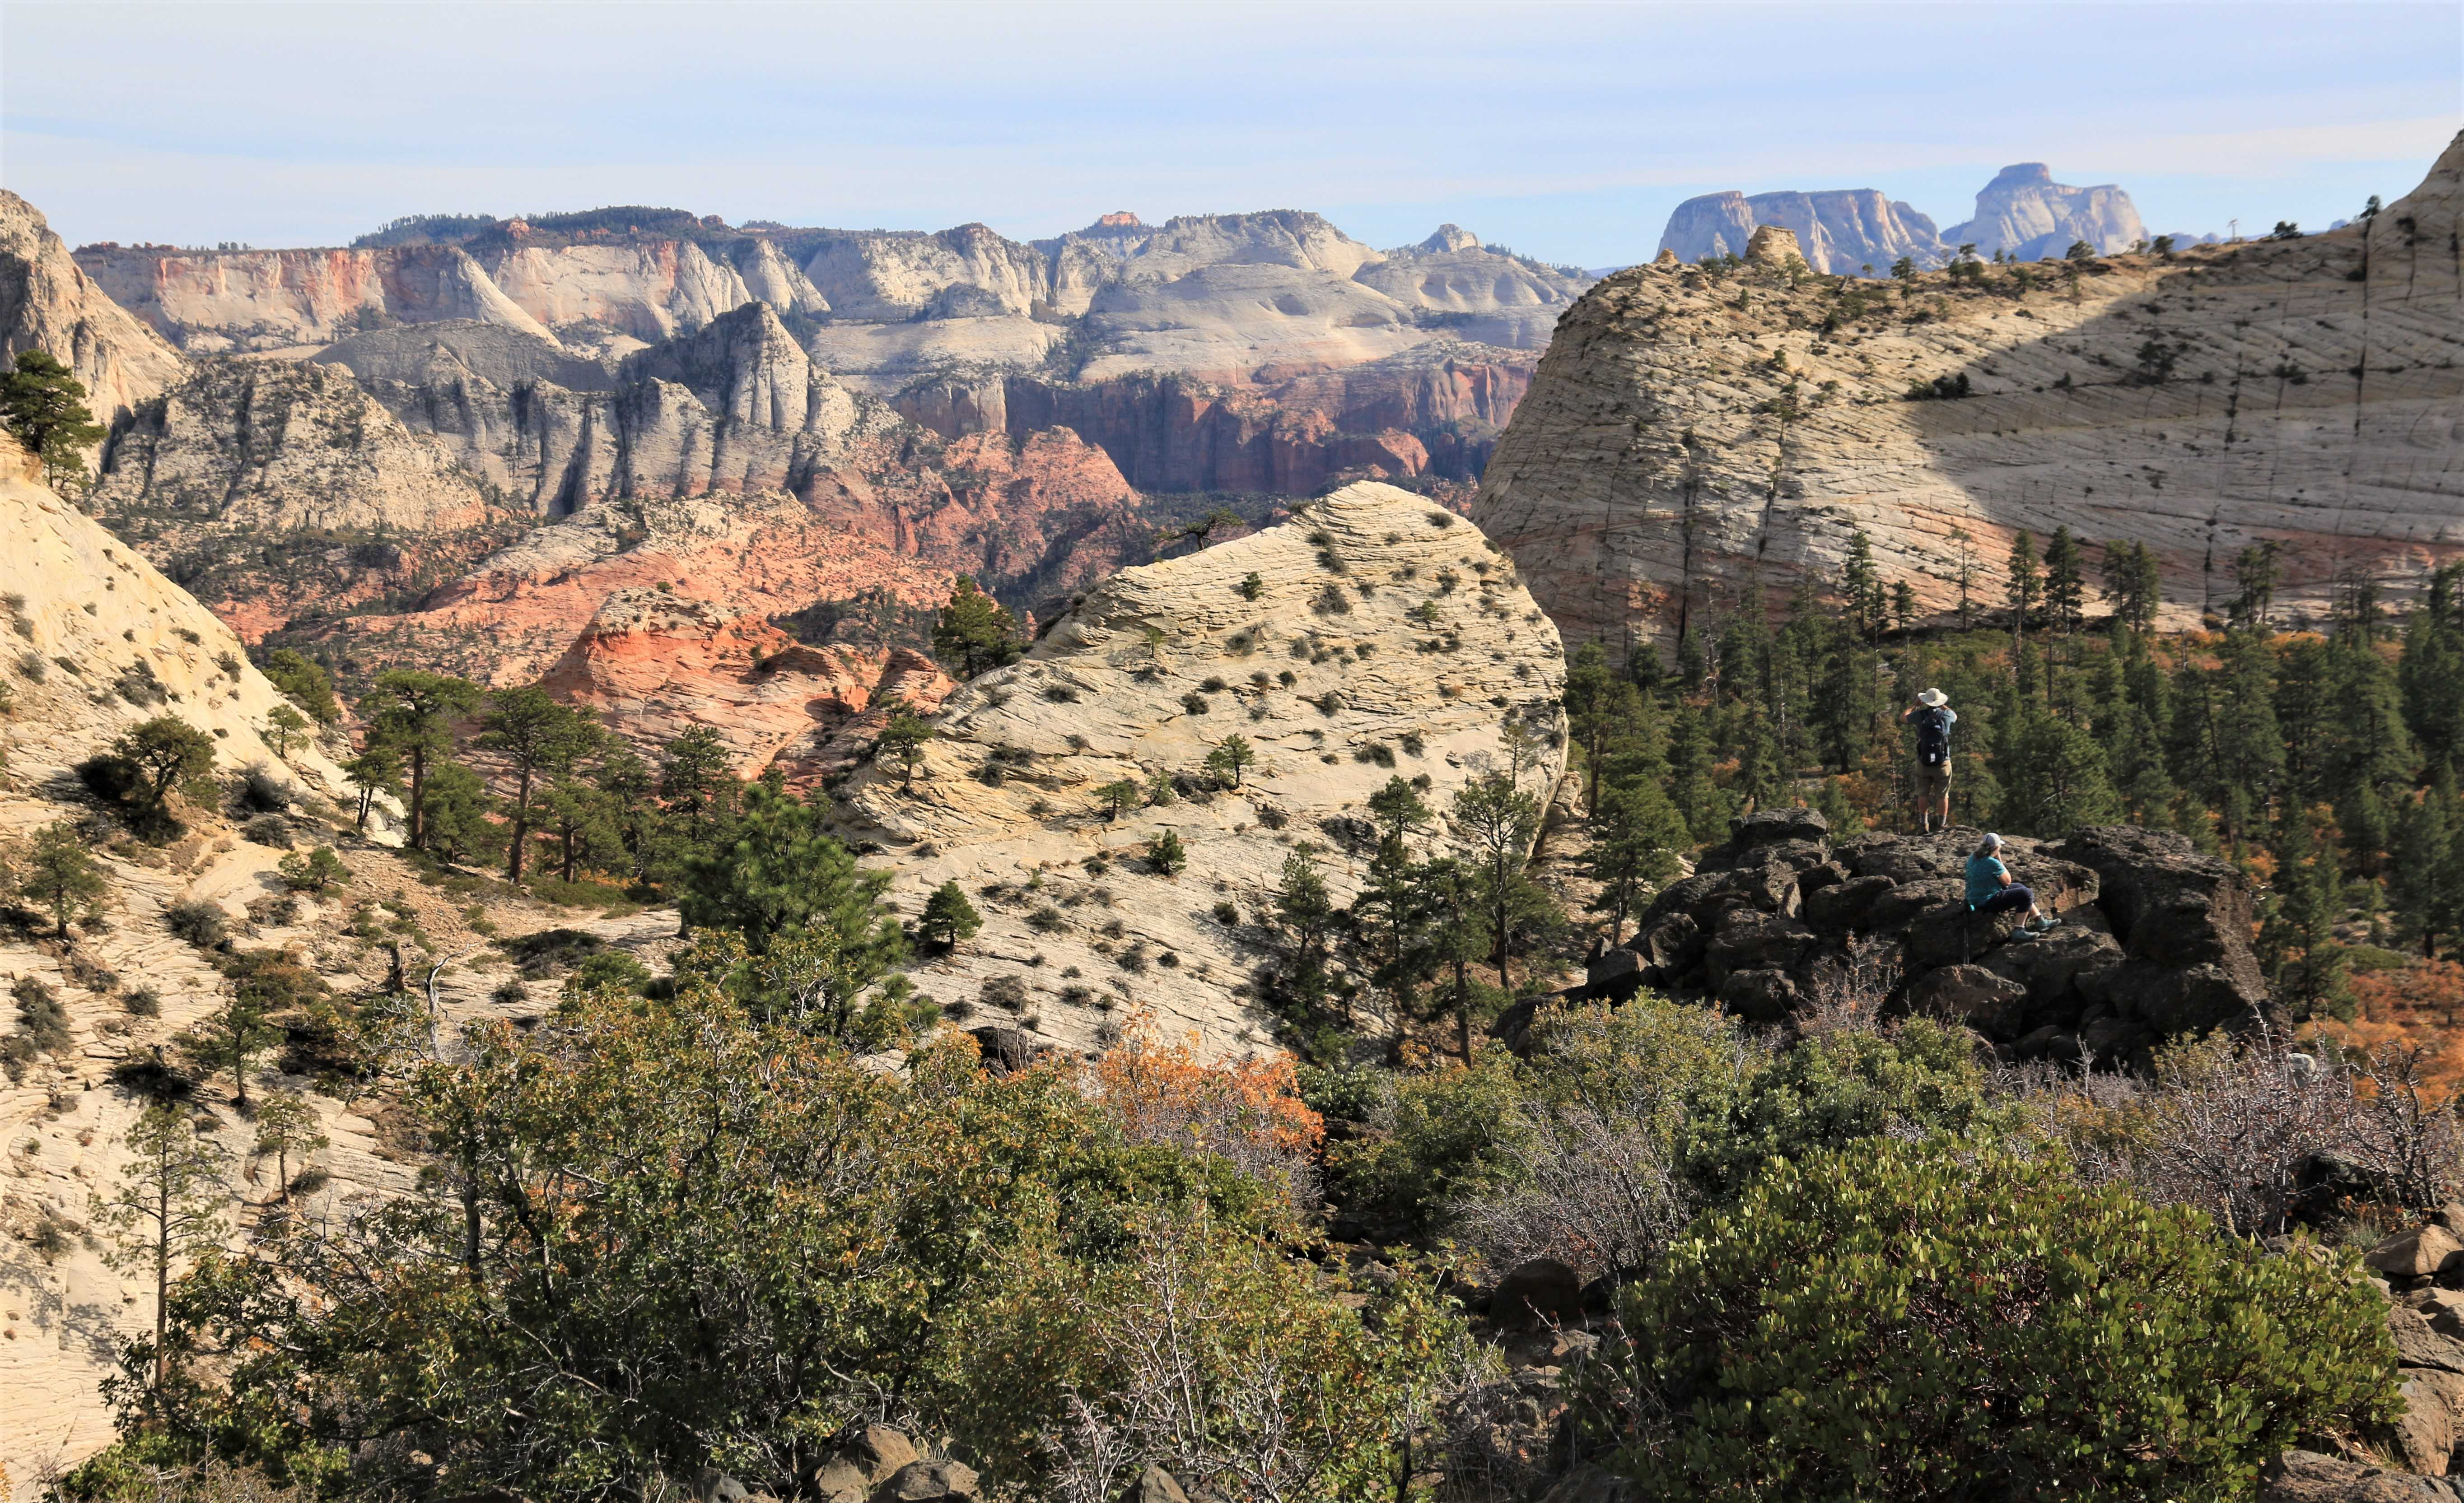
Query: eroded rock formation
x=1319, y=664
x=1689, y=435
x=47, y=303
x=2023, y=212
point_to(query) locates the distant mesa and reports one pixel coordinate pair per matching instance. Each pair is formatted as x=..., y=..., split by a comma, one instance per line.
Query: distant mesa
x=1120, y=218
x=2022, y=213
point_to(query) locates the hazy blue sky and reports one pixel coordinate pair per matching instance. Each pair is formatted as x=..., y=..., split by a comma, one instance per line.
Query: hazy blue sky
x=1566, y=131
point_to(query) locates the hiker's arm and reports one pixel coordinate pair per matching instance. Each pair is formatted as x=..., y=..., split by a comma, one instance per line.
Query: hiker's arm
x=2002, y=877
x=1905, y=714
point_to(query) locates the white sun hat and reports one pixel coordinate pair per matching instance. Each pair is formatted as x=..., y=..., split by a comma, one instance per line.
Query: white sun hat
x=1934, y=698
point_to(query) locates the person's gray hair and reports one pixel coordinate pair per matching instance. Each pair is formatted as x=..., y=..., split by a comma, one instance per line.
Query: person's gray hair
x=1990, y=845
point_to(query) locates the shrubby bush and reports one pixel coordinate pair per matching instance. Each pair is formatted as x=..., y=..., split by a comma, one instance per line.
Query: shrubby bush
x=721, y=1239
x=1947, y=1319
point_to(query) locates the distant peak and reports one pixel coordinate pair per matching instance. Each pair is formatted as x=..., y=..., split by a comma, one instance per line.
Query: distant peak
x=2021, y=174
x=1451, y=237
x=1120, y=219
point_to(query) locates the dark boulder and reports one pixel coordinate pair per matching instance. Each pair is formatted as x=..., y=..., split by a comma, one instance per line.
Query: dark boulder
x=1005, y=1050
x=1760, y=995
x=1991, y=1003
x=2183, y=923
x=1537, y=1291
x=1771, y=826
x=1750, y=939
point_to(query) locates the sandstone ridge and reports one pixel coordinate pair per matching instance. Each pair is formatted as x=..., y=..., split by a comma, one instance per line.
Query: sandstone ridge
x=1319, y=664
x=1692, y=432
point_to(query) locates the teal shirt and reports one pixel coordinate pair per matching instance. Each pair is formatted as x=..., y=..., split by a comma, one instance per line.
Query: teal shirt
x=1985, y=874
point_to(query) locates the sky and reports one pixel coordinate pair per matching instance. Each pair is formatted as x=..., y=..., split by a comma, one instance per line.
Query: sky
x=1565, y=131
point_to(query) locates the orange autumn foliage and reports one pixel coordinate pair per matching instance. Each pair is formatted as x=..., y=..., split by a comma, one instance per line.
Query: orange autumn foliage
x=1248, y=1110
x=2420, y=1006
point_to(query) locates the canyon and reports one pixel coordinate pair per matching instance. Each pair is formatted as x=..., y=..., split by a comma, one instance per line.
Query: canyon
x=455, y=442
x=1696, y=433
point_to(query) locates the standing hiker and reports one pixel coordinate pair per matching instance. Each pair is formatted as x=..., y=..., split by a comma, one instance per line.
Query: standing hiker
x=1934, y=717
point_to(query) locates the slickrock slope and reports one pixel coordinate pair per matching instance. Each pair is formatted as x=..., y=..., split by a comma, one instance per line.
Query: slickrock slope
x=1687, y=435
x=47, y=303
x=98, y=641
x=262, y=446
x=1325, y=673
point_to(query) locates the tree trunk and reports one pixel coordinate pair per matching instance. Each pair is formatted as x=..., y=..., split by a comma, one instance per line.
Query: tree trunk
x=161, y=1282
x=418, y=805
x=522, y=827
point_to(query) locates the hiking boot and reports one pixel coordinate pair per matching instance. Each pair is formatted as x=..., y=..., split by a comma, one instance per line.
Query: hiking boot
x=2044, y=923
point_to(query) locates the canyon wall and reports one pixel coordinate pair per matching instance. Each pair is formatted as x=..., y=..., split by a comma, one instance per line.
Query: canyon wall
x=1691, y=434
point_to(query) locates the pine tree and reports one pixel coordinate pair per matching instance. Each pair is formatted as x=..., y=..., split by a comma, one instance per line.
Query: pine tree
x=375, y=772
x=903, y=741
x=1635, y=837
x=975, y=633
x=42, y=404
x=286, y=1126
x=1861, y=588
x=282, y=725
x=1166, y=854
x=2431, y=671
x=2021, y=584
x=1500, y=821
x=1229, y=758
x=58, y=873
x=697, y=779
x=1690, y=786
x=538, y=738
x=169, y=1208
x=779, y=871
x=1305, y=908
x=2297, y=940
x=452, y=812
x=411, y=713
x=948, y=919
x=2065, y=582
x=1964, y=572
x=2060, y=783
x=2133, y=583
x=2426, y=873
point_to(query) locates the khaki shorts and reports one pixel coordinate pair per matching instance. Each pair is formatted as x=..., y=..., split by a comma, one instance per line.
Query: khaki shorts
x=1933, y=778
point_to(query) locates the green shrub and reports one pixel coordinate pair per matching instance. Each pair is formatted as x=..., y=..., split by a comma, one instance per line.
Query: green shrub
x=1938, y=1320
x=200, y=923
x=1915, y=1079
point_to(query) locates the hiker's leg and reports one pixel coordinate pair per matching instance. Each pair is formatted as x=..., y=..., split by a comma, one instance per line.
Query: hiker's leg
x=2008, y=899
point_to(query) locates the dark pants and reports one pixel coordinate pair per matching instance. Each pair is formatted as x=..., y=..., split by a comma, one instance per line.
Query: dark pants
x=2012, y=896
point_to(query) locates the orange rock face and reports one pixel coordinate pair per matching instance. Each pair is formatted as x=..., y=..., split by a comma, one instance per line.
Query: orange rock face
x=653, y=665
x=672, y=624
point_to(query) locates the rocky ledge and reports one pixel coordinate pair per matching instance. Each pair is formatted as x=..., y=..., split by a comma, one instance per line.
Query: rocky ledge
x=2154, y=938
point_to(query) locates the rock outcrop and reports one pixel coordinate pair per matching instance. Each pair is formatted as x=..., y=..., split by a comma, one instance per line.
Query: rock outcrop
x=1303, y=639
x=2154, y=943
x=1690, y=433
x=47, y=303
x=2024, y=213
x=652, y=664
x=1847, y=231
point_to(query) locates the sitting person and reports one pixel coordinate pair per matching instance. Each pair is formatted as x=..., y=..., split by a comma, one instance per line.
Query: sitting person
x=1990, y=889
